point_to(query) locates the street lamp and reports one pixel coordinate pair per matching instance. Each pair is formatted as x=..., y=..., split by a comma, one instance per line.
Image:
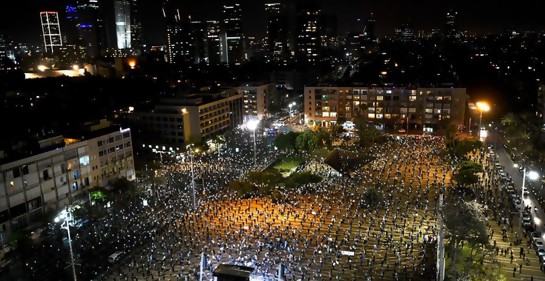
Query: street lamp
x=290, y=106
x=193, y=176
x=482, y=106
x=252, y=126
x=68, y=220
x=532, y=175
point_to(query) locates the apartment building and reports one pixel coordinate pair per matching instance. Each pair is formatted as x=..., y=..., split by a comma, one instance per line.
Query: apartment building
x=258, y=97
x=63, y=173
x=390, y=108
x=175, y=122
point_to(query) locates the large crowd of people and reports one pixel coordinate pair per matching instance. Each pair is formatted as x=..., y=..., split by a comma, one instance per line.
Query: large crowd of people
x=328, y=232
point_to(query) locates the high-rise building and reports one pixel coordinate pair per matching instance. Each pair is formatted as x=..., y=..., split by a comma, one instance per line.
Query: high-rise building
x=6, y=63
x=370, y=28
x=200, y=41
x=450, y=24
x=231, y=36
x=309, y=34
x=85, y=25
x=51, y=30
x=213, y=40
x=122, y=10
x=180, y=41
x=136, y=25
x=277, y=30
x=405, y=32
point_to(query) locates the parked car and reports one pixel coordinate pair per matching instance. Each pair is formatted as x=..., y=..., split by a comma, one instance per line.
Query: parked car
x=538, y=243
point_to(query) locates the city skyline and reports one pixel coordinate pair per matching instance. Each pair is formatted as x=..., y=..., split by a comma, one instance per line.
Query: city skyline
x=22, y=22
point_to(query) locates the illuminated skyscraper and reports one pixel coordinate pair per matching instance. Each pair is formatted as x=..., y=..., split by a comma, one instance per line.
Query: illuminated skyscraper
x=180, y=41
x=277, y=30
x=51, y=30
x=136, y=25
x=309, y=34
x=370, y=28
x=231, y=36
x=3, y=54
x=122, y=10
x=85, y=25
x=450, y=24
x=213, y=41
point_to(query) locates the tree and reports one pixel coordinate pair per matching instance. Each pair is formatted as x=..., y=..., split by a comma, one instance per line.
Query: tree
x=509, y=120
x=268, y=178
x=464, y=224
x=463, y=147
x=367, y=134
x=336, y=128
x=372, y=198
x=449, y=130
x=242, y=189
x=123, y=185
x=302, y=178
x=286, y=141
x=467, y=173
x=306, y=141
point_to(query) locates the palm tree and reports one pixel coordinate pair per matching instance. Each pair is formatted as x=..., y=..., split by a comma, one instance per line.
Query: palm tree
x=509, y=120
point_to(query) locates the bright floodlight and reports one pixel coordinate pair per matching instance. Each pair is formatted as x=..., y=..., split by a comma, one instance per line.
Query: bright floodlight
x=533, y=175
x=516, y=165
x=483, y=106
x=252, y=124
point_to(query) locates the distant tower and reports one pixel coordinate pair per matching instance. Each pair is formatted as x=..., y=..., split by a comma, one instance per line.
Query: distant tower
x=200, y=42
x=277, y=30
x=213, y=40
x=136, y=25
x=3, y=54
x=231, y=35
x=309, y=27
x=180, y=40
x=51, y=30
x=370, y=28
x=450, y=24
x=122, y=10
x=405, y=33
x=85, y=25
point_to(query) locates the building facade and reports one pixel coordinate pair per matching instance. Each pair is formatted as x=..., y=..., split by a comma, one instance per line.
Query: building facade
x=122, y=10
x=231, y=35
x=257, y=99
x=86, y=25
x=174, y=122
x=277, y=30
x=51, y=30
x=51, y=180
x=394, y=108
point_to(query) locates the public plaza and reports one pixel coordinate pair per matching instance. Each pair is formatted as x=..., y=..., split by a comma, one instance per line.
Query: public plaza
x=327, y=231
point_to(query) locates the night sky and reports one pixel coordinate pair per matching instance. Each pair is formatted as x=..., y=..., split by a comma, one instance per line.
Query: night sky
x=20, y=19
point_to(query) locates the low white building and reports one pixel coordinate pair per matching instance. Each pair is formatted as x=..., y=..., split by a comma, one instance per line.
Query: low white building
x=63, y=173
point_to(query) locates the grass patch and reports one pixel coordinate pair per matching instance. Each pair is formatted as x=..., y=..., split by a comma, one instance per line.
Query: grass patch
x=462, y=258
x=287, y=165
